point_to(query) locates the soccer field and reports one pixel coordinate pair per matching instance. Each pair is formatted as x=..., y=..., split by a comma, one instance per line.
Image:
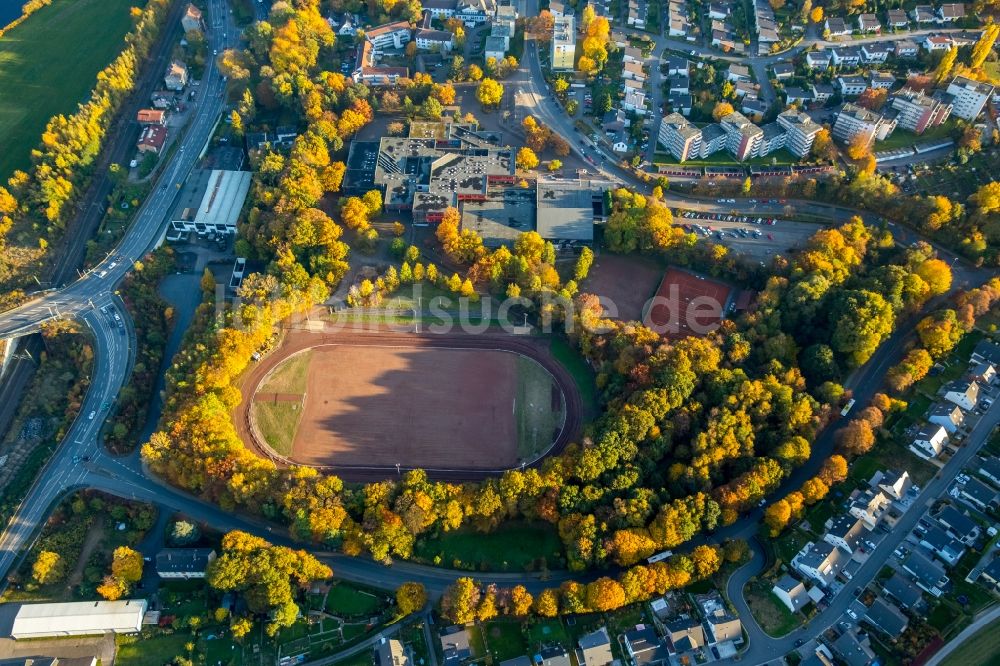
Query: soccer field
x=49, y=64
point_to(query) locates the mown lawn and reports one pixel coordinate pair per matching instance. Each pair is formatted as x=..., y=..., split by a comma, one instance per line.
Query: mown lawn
x=981, y=648
x=537, y=421
x=48, y=64
x=570, y=359
x=513, y=547
x=345, y=600
x=289, y=377
x=151, y=650
x=278, y=422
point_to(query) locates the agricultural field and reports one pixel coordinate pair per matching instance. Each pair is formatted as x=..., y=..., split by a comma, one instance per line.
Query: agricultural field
x=51, y=61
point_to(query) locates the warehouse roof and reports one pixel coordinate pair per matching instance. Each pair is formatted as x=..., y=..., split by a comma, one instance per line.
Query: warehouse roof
x=565, y=211
x=78, y=618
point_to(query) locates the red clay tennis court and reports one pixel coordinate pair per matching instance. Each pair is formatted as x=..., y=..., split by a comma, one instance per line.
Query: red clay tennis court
x=687, y=304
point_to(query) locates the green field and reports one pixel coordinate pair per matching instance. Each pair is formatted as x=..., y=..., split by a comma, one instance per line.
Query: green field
x=346, y=601
x=570, y=359
x=291, y=376
x=979, y=649
x=277, y=422
x=151, y=650
x=537, y=422
x=513, y=547
x=49, y=63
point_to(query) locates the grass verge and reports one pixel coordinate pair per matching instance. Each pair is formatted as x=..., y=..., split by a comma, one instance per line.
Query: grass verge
x=513, y=547
x=538, y=417
x=289, y=377
x=278, y=422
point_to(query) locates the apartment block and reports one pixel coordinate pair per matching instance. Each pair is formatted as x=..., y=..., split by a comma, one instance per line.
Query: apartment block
x=918, y=111
x=743, y=138
x=801, y=131
x=680, y=137
x=970, y=97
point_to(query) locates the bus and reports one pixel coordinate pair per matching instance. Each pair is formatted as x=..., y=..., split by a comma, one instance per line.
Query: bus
x=659, y=556
x=847, y=407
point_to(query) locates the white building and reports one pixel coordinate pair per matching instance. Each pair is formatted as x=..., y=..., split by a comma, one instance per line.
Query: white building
x=929, y=441
x=434, y=40
x=963, y=393
x=390, y=35
x=210, y=202
x=743, y=138
x=801, y=131
x=83, y=618
x=853, y=120
x=680, y=138
x=970, y=97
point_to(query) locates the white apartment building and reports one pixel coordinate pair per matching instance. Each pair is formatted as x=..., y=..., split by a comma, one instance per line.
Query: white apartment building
x=853, y=120
x=918, y=111
x=801, y=131
x=970, y=97
x=680, y=137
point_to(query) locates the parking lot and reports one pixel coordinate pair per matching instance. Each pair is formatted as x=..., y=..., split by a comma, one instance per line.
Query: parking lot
x=759, y=237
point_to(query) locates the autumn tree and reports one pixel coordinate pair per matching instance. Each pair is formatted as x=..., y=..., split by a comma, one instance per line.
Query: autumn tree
x=126, y=564
x=855, y=438
x=984, y=45
x=526, y=159
x=946, y=64
x=112, y=588
x=721, y=110
x=410, y=597
x=460, y=601
x=776, y=516
x=605, y=594
x=520, y=601
x=873, y=99
x=489, y=93
x=48, y=568
x=816, y=15
x=547, y=603
x=859, y=146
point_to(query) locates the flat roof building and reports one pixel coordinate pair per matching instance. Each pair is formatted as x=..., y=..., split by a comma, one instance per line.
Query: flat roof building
x=680, y=137
x=801, y=130
x=83, y=618
x=565, y=211
x=563, y=43
x=970, y=97
x=211, y=201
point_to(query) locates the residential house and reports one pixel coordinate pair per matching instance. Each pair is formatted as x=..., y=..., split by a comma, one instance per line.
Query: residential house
x=644, y=646
x=851, y=86
x=929, y=441
x=496, y=48
x=879, y=80
x=681, y=103
x=753, y=107
x=905, y=48
x=685, y=635
x=990, y=468
x=868, y=507
x=887, y=618
x=719, y=10
x=945, y=414
x=896, y=19
x=845, y=56
x=820, y=561
x=183, y=563
x=801, y=131
x=720, y=625
x=798, y=96
x=151, y=117
x=836, y=26
x=922, y=14
x=162, y=99
x=475, y=12
x=950, y=12
x=554, y=655
x=937, y=540
x=791, y=592
x=876, y=52
x=980, y=495
x=192, y=19
x=619, y=143
x=959, y=525
x=986, y=351
x=635, y=100
x=985, y=373
x=743, y=88
x=783, y=70
x=440, y=9
x=818, y=59
x=902, y=591
x=927, y=574
x=937, y=43
x=737, y=73
x=677, y=65
x=961, y=392
x=846, y=532
x=557, y=9
x=680, y=84
x=821, y=91
x=894, y=483
x=869, y=23
x=455, y=645
x=389, y=35
x=852, y=650
x=595, y=649
x=434, y=40
x=633, y=70
x=522, y=660
x=152, y=139
x=632, y=54
x=970, y=96
x=176, y=77
x=990, y=575
x=390, y=652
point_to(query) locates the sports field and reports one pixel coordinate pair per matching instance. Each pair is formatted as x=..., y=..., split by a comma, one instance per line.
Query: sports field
x=370, y=406
x=687, y=304
x=49, y=63
x=625, y=283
